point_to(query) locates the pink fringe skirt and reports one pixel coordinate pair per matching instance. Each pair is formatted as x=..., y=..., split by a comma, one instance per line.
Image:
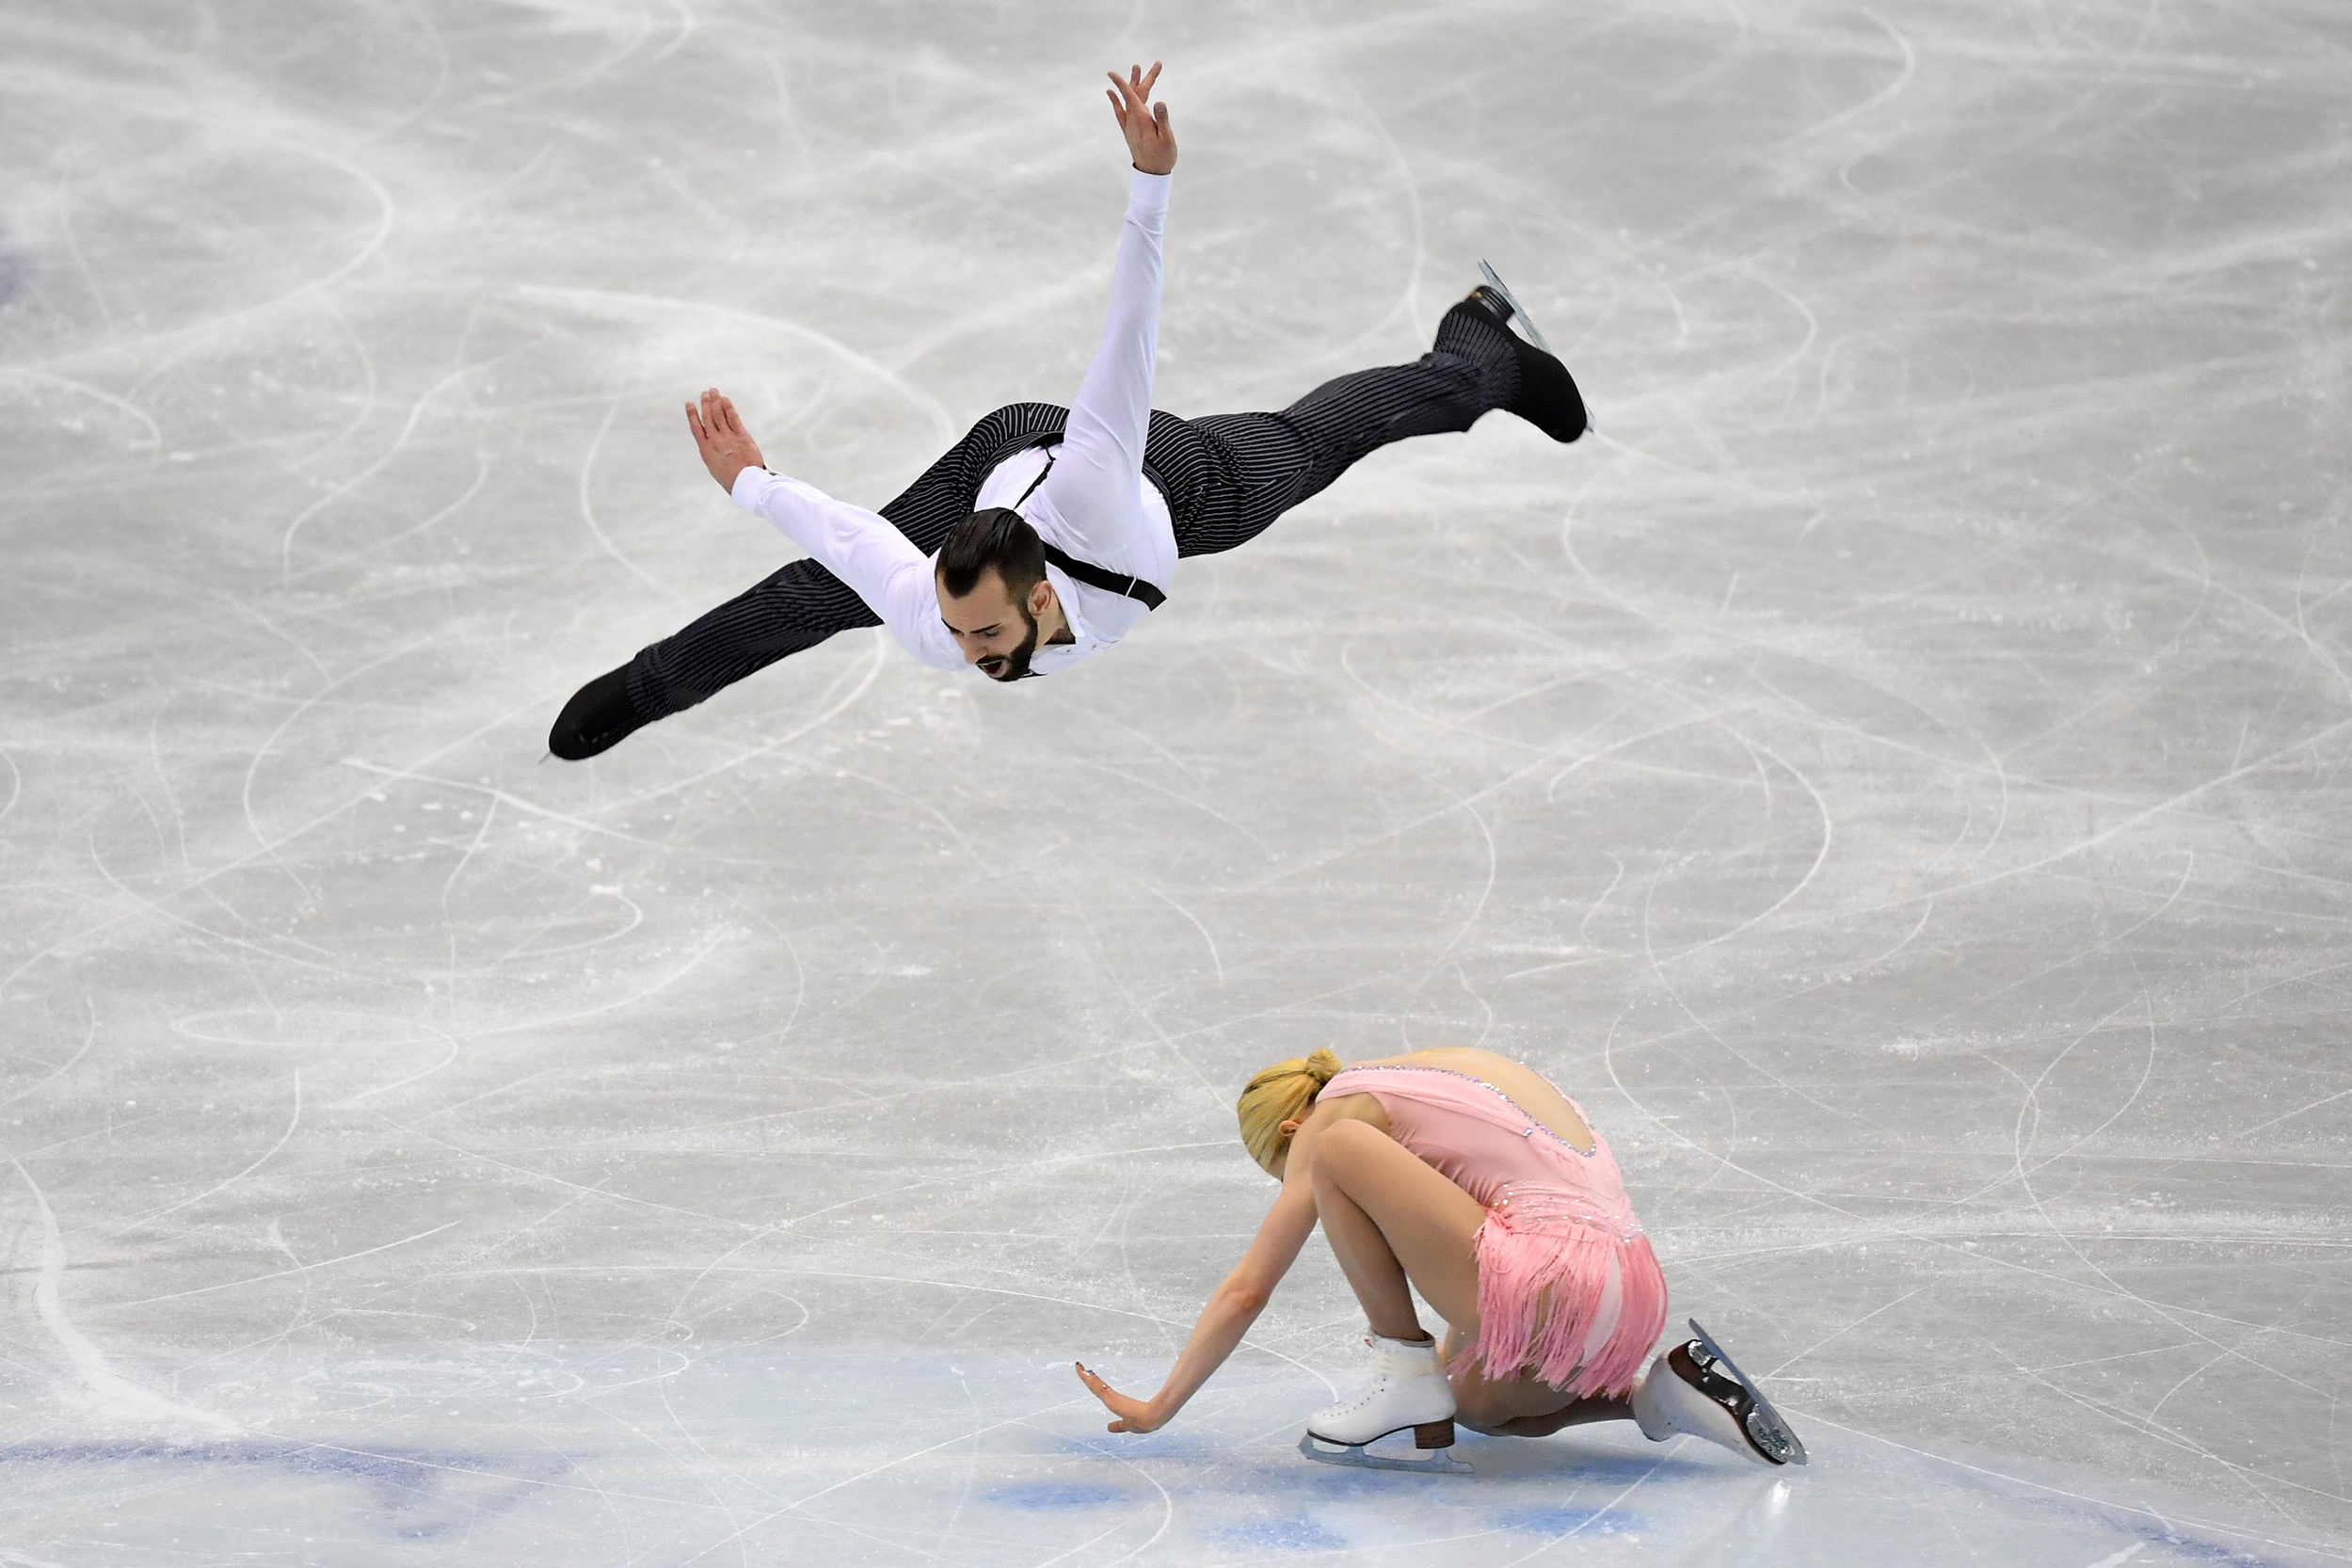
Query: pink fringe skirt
x=1564, y=1295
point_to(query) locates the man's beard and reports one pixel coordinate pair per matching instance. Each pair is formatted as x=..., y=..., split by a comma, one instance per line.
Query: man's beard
x=1014, y=665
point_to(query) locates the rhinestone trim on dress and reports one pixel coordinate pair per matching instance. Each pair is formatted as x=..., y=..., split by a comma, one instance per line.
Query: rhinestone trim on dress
x=1534, y=1125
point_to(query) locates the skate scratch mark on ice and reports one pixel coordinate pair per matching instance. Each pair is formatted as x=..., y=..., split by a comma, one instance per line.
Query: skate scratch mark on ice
x=2325, y=1099
x=525, y=1025
x=1601, y=1513
x=2091, y=841
x=498, y=797
x=528, y=943
x=89, y=1032
x=587, y=510
x=83, y=389
x=687, y=22
x=81, y=261
x=254, y=767
x=881, y=645
x=185, y=338
x=1836, y=1332
x=2025, y=1484
x=1126, y=994
x=802, y=1503
x=2065, y=1239
x=1477, y=908
x=1403, y=306
x=293, y=1121
x=624, y=302
x=2116, y=1560
x=449, y=924
x=2172, y=1436
x=1485, y=792
x=1761, y=754
x=281, y=1274
x=1674, y=994
x=1167, y=1504
x=325, y=961
x=18, y=1560
x=1264, y=849
x=1215, y=962
x=62, y=943
x=416, y=412
x=1852, y=111
x=483, y=464
x=1464, y=723
x=1978, y=1001
x=367, y=385
x=1992, y=766
x=120, y=1395
x=449, y=1056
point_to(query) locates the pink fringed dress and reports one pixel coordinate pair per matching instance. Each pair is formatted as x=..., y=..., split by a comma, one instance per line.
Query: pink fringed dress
x=1568, y=1287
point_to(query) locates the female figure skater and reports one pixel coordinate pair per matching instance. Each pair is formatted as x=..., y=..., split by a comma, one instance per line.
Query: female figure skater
x=1471, y=1176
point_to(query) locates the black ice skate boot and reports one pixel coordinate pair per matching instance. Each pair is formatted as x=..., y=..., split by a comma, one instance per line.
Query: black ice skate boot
x=1548, y=396
x=599, y=716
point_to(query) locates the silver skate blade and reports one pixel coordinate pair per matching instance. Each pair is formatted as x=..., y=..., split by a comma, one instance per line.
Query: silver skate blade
x=1439, y=1462
x=1518, y=311
x=1762, y=1406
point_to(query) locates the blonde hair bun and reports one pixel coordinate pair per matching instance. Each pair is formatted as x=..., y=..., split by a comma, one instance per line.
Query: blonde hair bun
x=1279, y=1094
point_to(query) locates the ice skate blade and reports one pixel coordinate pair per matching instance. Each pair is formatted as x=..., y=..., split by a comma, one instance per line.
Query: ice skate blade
x=1776, y=1433
x=1518, y=311
x=1437, y=1463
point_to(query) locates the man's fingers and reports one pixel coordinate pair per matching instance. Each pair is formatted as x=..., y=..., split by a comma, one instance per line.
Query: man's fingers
x=694, y=422
x=1160, y=116
x=1154, y=76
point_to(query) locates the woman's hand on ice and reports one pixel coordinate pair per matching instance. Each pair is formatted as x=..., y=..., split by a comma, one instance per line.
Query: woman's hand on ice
x=727, y=447
x=1133, y=1415
x=1149, y=141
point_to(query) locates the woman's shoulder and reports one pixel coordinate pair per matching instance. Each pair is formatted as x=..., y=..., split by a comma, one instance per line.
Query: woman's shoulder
x=1472, y=1060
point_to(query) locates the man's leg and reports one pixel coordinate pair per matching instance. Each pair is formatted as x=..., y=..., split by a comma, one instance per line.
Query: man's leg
x=1230, y=475
x=794, y=608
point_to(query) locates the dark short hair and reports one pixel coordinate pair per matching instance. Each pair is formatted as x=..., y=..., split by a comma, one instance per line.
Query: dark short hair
x=997, y=540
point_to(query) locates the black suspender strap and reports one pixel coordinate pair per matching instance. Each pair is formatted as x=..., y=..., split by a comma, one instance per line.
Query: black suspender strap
x=1086, y=571
x=1051, y=452
x=1102, y=577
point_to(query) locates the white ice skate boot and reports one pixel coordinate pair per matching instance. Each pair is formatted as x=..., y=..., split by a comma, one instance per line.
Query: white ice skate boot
x=1694, y=1390
x=1408, y=1388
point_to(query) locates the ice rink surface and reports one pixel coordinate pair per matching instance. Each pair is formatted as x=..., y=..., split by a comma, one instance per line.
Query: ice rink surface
x=1895, y=772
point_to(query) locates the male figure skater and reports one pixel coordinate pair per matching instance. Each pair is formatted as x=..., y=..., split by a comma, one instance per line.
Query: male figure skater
x=1056, y=530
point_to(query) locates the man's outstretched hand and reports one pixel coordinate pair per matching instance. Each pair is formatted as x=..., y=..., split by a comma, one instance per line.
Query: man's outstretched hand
x=1149, y=141
x=726, y=448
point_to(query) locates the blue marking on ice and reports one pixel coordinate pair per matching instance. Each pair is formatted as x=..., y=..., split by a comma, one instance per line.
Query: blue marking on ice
x=1046, y=1495
x=1297, y=1533
x=1560, y=1521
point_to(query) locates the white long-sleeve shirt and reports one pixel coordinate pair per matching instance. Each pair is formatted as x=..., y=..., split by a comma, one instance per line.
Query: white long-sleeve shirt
x=1096, y=504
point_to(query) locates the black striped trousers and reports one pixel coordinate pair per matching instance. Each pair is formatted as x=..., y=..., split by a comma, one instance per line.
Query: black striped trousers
x=1227, y=479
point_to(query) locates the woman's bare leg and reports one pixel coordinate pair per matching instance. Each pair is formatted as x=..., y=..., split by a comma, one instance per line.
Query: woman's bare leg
x=1390, y=1219
x=1522, y=1406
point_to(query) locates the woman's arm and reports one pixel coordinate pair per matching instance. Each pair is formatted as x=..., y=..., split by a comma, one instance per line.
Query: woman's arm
x=1233, y=1306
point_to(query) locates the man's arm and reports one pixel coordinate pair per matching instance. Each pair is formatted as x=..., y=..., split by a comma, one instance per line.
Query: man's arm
x=880, y=564
x=1096, y=480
